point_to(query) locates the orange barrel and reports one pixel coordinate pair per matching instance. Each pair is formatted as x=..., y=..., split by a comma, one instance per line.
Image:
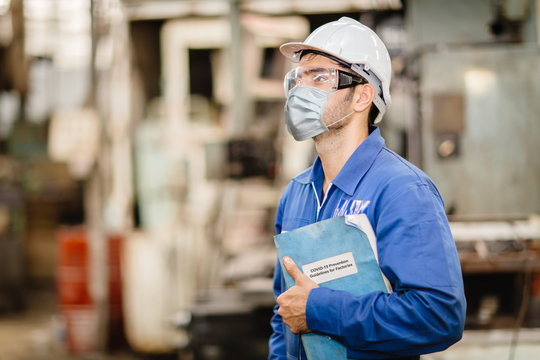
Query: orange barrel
x=536, y=285
x=116, y=337
x=74, y=299
x=532, y=319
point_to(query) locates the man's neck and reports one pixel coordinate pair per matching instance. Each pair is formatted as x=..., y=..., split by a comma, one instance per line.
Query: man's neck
x=336, y=147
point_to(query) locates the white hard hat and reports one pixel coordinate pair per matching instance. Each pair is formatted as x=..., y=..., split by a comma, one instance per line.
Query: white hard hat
x=353, y=43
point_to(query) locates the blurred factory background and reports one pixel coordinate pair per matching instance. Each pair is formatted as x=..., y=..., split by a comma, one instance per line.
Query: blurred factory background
x=143, y=154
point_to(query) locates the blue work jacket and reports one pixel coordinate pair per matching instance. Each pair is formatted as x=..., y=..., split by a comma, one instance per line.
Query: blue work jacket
x=426, y=311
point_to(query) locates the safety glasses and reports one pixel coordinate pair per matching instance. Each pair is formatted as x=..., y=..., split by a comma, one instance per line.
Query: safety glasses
x=327, y=79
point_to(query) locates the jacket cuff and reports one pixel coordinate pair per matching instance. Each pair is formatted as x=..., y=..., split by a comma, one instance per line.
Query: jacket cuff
x=322, y=310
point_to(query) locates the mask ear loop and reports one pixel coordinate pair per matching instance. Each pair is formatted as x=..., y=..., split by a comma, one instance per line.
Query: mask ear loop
x=343, y=118
x=337, y=121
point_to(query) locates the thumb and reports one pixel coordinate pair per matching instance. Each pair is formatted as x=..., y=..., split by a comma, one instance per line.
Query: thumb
x=293, y=269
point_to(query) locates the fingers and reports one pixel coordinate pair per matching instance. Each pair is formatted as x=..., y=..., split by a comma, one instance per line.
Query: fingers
x=292, y=309
x=292, y=269
x=292, y=302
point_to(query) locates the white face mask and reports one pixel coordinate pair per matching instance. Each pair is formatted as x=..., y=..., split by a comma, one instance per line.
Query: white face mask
x=303, y=112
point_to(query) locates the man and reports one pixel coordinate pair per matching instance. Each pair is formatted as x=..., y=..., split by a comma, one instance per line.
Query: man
x=336, y=95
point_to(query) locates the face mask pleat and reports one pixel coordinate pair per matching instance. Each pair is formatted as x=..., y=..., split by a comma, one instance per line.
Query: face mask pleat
x=303, y=112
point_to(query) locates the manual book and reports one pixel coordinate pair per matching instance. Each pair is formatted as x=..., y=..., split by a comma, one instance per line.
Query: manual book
x=341, y=254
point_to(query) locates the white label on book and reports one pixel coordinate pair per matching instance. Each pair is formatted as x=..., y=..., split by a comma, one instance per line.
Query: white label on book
x=331, y=268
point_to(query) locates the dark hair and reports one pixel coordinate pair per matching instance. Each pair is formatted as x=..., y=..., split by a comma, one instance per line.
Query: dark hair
x=373, y=112
x=331, y=57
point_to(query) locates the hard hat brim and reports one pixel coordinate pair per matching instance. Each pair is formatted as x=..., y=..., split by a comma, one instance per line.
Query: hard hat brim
x=292, y=51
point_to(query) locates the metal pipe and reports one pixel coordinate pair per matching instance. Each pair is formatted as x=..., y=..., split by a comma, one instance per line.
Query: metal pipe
x=239, y=100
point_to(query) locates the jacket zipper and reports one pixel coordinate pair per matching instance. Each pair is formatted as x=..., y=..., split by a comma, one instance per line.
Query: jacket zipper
x=319, y=205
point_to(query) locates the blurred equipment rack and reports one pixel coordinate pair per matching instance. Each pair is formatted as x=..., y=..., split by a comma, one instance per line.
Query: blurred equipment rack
x=231, y=324
x=500, y=260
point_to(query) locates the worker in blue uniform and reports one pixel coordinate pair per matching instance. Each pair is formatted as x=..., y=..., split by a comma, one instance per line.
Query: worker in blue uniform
x=336, y=95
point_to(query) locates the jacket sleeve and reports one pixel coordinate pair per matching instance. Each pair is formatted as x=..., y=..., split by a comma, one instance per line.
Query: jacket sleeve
x=426, y=311
x=276, y=344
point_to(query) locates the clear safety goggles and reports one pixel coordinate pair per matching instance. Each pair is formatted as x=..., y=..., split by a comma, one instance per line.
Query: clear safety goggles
x=327, y=79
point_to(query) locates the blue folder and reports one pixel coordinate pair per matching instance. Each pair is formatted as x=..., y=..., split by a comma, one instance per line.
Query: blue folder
x=339, y=253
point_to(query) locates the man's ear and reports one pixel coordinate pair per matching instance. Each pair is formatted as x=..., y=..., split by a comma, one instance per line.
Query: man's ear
x=363, y=97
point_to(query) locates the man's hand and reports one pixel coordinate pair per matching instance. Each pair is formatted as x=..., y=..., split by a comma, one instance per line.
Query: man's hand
x=292, y=303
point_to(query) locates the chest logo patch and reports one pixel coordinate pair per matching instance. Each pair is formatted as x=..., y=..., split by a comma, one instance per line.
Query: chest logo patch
x=351, y=207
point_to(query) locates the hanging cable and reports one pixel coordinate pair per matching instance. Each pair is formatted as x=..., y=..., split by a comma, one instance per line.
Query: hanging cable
x=527, y=280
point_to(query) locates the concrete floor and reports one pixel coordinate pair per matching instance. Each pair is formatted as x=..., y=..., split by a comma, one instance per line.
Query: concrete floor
x=492, y=345
x=33, y=335
x=28, y=332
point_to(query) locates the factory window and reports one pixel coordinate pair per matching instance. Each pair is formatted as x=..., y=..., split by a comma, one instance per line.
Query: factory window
x=272, y=63
x=200, y=72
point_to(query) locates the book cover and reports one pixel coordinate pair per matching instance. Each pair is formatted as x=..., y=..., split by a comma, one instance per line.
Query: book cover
x=339, y=253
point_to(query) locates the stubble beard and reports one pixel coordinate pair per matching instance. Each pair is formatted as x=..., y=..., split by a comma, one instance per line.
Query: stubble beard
x=331, y=115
